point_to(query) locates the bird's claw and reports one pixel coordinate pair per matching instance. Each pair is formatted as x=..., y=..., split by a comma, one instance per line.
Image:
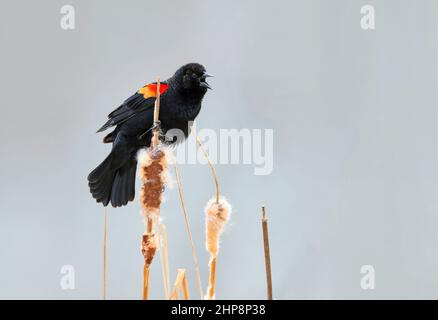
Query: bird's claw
x=155, y=126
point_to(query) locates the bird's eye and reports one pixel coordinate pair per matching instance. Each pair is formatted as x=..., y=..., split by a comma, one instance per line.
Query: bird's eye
x=194, y=75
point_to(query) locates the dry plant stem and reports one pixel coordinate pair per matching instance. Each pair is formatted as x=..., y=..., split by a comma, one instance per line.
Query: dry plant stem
x=213, y=170
x=180, y=283
x=150, y=225
x=267, y=254
x=166, y=258
x=156, y=116
x=186, y=220
x=185, y=286
x=163, y=273
x=105, y=227
x=212, y=279
x=162, y=263
x=145, y=282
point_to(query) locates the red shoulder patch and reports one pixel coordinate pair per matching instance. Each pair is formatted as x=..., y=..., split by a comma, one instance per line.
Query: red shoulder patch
x=150, y=90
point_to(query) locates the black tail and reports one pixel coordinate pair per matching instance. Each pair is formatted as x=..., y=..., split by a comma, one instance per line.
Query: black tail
x=115, y=185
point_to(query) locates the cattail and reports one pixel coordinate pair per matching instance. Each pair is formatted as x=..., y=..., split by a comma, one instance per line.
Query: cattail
x=154, y=177
x=217, y=214
x=153, y=173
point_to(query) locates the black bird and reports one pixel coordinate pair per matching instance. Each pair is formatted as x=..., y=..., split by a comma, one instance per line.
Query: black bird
x=180, y=102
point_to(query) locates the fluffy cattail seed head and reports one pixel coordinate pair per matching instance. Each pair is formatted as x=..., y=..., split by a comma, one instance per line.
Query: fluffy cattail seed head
x=153, y=173
x=217, y=215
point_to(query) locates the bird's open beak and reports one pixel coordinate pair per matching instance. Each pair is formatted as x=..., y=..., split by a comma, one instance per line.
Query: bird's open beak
x=203, y=82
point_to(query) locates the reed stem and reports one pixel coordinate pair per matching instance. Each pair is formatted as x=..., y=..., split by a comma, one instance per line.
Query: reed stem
x=185, y=286
x=162, y=263
x=156, y=116
x=105, y=228
x=212, y=278
x=180, y=283
x=267, y=254
x=210, y=164
x=166, y=257
x=187, y=223
x=145, y=282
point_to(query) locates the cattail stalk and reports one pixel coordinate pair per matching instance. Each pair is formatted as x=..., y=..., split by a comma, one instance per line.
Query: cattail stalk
x=185, y=286
x=146, y=270
x=156, y=136
x=189, y=232
x=105, y=227
x=166, y=257
x=210, y=164
x=162, y=263
x=267, y=254
x=153, y=173
x=180, y=284
x=211, y=290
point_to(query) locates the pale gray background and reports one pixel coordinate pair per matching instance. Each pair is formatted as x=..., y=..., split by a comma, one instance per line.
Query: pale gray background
x=355, y=124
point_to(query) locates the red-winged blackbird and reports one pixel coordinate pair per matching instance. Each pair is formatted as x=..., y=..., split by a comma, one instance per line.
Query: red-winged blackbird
x=180, y=102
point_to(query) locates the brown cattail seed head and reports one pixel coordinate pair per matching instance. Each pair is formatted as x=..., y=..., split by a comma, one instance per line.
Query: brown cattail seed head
x=148, y=247
x=216, y=216
x=153, y=173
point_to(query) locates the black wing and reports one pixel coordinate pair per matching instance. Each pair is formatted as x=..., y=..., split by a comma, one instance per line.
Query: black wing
x=130, y=107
